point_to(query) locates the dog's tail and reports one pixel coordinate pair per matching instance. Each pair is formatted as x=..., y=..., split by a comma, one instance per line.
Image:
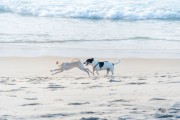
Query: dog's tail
x=75, y=59
x=57, y=63
x=116, y=63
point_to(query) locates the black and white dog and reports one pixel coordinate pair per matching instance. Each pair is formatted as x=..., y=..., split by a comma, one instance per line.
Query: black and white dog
x=97, y=66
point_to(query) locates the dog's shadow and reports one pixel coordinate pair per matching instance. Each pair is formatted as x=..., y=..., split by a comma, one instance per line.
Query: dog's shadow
x=103, y=76
x=80, y=78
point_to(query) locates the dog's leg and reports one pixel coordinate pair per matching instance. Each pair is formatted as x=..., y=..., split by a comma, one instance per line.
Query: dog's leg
x=107, y=72
x=85, y=70
x=112, y=71
x=97, y=72
x=88, y=70
x=93, y=72
x=81, y=67
x=56, y=72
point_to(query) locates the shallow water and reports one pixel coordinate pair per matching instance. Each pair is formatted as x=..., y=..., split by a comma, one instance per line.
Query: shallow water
x=135, y=29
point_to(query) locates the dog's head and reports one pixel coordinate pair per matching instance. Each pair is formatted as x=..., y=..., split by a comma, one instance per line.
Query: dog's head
x=89, y=61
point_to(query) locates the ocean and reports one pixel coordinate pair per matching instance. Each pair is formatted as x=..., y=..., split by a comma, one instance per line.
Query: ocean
x=90, y=28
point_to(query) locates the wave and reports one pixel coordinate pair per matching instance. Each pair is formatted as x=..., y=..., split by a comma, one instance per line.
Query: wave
x=115, y=9
x=138, y=38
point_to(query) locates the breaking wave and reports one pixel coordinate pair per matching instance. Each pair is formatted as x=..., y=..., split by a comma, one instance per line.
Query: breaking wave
x=91, y=9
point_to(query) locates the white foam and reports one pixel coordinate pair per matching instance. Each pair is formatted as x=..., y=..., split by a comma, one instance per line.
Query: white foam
x=91, y=9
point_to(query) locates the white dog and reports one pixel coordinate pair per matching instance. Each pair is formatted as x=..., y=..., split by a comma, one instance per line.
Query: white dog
x=101, y=65
x=69, y=65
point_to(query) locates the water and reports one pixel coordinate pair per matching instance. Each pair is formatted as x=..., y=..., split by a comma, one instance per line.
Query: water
x=90, y=28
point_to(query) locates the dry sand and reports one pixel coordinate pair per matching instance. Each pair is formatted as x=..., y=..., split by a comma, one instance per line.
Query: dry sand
x=140, y=89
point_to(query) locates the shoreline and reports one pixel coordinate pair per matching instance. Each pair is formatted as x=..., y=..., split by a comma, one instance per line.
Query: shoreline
x=35, y=51
x=41, y=65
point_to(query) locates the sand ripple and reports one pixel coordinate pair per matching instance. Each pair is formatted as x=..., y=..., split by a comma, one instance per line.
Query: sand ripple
x=139, y=96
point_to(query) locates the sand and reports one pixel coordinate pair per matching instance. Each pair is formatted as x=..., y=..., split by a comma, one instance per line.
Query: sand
x=140, y=89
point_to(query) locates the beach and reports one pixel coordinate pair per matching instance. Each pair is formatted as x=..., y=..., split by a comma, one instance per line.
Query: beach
x=139, y=89
x=143, y=34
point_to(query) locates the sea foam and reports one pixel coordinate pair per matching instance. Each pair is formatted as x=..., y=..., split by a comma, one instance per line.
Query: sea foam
x=115, y=9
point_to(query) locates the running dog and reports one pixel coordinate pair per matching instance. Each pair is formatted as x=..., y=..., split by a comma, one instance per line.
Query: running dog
x=69, y=65
x=97, y=66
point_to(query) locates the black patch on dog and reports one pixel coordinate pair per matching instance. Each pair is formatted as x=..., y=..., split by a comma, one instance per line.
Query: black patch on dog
x=90, y=60
x=101, y=64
